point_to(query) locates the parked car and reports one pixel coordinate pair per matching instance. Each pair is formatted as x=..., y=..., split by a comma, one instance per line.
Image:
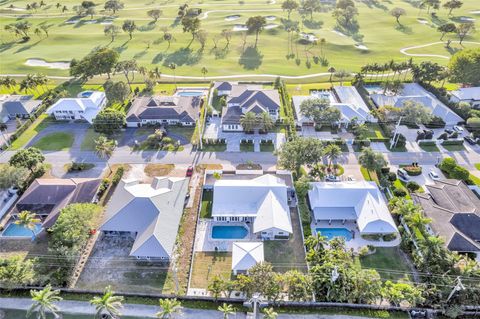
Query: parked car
x=332, y=178
x=433, y=175
x=189, y=171
x=470, y=140
x=449, y=131
x=402, y=174
x=459, y=129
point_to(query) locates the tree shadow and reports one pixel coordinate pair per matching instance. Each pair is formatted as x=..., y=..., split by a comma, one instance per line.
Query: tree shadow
x=251, y=58
x=311, y=24
x=462, y=19
x=6, y=46
x=403, y=28
x=183, y=56
x=414, y=3
x=158, y=58
x=139, y=54
x=121, y=48
x=27, y=47
x=289, y=24
x=375, y=4
x=147, y=27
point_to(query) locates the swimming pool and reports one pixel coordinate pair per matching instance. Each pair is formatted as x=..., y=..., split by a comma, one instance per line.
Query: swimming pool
x=374, y=89
x=14, y=230
x=229, y=232
x=330, y=233
x=86, y=94
x=189, y=93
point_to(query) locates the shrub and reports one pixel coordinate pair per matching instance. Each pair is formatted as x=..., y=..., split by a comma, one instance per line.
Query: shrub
x=427, y=143
x=389, y=237
x=375, y=237
x=454, y=142
x=75, y=166
x=399, y=192
x=103, y=187
x=448, y=164
x=412, y=186
x=435, y=122
x=443, y=136
x=413, y=170
x=460, y=173
x=473, y=123
x=392, y=177
x=118, y=175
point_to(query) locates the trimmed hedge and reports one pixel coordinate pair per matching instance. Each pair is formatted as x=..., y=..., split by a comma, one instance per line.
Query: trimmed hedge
x=427, y=143
x=379, y=139
x=453, y=142
x=413, y=170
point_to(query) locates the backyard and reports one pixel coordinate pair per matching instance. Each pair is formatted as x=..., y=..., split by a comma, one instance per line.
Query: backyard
x=271, y=55
x=389, y=263
x=207, y=265
x=207, y=200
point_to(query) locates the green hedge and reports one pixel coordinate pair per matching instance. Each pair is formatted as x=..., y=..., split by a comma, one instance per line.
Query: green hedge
x=379, y=139
x=413, y=170
x=452, y=142
x=427, y=143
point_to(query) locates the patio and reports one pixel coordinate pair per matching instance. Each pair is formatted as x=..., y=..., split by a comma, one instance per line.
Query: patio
x=357, y=242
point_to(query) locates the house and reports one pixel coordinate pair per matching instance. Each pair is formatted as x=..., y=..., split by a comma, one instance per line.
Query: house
x=223, y=88
x=358, y=203
x=150, y=213
x=469, y=95
x=243, y=99
x=17, y=106
x=261, y=201
x=47, y=197
x=455, y=213
x=167, y=110
x=245, y=255
x=415, y=92
x=85, y=106
x=345, y=98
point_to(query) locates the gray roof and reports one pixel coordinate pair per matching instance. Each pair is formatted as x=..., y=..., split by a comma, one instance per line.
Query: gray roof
x=223, y=86
x=182, y=108
x=20, y=104
x=472, y=93
x=247, y=97
x=231, y=115
x=50, y=196
x=153, y=211
x=455, y=213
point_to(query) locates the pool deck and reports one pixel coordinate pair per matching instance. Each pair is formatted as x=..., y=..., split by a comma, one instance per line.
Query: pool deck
x=357, y=242
x=205, y=242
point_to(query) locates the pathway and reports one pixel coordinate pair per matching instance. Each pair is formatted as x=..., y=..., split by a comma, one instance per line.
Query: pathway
x=404, y=50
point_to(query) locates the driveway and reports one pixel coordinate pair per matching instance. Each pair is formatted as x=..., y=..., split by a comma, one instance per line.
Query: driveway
x=422, y=179
x=309, y=131
x=79, y=130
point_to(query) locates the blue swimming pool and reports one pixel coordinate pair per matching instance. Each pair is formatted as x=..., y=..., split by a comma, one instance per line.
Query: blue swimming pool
x=14, y=230
x=86, y=94
x=330, y=233
x=229, y=232
x=374, y=89
x=190, y=93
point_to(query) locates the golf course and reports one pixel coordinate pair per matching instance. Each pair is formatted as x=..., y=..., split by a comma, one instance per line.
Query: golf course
x=315, y=43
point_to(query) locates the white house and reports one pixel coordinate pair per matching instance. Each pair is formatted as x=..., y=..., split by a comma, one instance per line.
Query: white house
x=150, y=213
x=360, y=203
x=261, y=201
x=85, y=106
x=470, y=95
x=245, y=255
x=345, y=98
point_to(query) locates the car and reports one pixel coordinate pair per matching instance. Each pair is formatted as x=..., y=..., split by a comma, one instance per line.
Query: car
x=189, y=171
x=470, y=140
x=459, y=129
x=449, y=131
x=433, y=175
x=332, y=178
x=402, y=174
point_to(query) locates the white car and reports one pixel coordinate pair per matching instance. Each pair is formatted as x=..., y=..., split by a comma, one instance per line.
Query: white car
x=459, y=129
x=332, y=178
x=433, y=175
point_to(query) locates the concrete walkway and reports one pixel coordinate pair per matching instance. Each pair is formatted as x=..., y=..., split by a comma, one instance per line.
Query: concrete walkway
x=145, y=311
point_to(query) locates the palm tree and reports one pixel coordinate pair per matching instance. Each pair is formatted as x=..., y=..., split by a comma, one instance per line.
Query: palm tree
x=204, y=72
x=331, y=70
x=28, y=220
x=249, y=121
x=227, y=310
x=173, y=67
x=104, y=148
x=416, y=219
x=332, y=152
x=8, y=82
x=107, y=304
x=169, y=308
x=266, y=122
x=43, y=302
x=3, y=129
x=341, y=74
x=269, y=313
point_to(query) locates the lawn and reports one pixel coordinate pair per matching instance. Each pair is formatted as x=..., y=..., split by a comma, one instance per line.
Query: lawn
x=186, y=132
x=375, y=131
x=36, y=127
x=477, y=166
x=399, y=184
x=247, y=147
x=369, y=175
x=214, y=147
x=56, y=141
x=207, y=265
x=267, y=147
x=429, y=148
x=388, y=262
x=88, y=143
x=475, y=179
x=395, y=149
x=73, y=37
x=207, y=200
x=454, y=148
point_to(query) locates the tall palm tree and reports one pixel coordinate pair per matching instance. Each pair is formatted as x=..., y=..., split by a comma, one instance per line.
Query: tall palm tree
x=269, y=313
x=416, y=219
x=266, y=122
x=28, y=220
x=249, y=121
x=43, y=302
x=342, y=74
x=104, y=148
x=332, y=152
x=227, y=310
x=107, y=304
x=169, y=308
x=3, y=129
x=173, y=67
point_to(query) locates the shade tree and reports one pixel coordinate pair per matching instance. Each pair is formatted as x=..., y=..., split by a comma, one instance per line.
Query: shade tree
x=256, y=25
x=298, y=152
x=289, y=6
x=30, y=158
x=397, y=13
x=155, y=14
x=113, y=5
x=129, y=27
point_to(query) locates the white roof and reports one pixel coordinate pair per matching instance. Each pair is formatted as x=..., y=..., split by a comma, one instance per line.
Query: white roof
x=263, y=197
x=153, y=211
x=472, y=93
x=360, y=201
x=415, y=92
x=245, y=255
x=89, y=102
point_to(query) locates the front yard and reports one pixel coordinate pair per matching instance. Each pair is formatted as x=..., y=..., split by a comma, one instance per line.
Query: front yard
x=207, y=265
x=56, y=141
x=389, y=263
x=36, y=127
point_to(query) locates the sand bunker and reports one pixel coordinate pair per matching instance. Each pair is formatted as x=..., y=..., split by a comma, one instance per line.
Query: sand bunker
x=90, y=22
x=72, y=21
x=232, y=17
x=468, y=19
x=270, y=18
x=339, y=33
x=240, y=27
x=50, y=65
x=475, y=12
x=361, y=47
x=422, y=21
x=106, y=22
x=308, y=36
x=271, y=26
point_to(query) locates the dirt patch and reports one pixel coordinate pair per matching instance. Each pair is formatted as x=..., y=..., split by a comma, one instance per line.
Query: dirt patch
x=249, y=166
x=152, y=170
x=207, y=265
x=212, y=167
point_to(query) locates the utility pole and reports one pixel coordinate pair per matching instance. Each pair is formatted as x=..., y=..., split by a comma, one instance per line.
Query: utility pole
x=458, y=287
x=256, y=303
x=396, y=136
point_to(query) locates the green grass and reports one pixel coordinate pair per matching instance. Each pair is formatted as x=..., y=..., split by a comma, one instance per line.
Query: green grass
x=36, y=127
x=186, y=132
x=247, y=147
x=477, y=166
x=454, y=148
x=207, y=201
x=388, y=262
x=369, y=176
x=267, y=147
x=399, y=184
x=395, y=149
x=375, y=131
x=381, y=35
x=429, y=148
x=214, y=147
x=475, y=179
x=88, y=143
